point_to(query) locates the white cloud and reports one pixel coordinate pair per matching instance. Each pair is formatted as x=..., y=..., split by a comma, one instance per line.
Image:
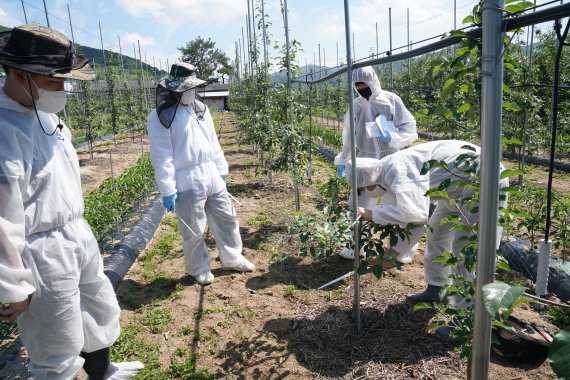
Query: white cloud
x=175, y=14
x=134, y=38
x=9, y=20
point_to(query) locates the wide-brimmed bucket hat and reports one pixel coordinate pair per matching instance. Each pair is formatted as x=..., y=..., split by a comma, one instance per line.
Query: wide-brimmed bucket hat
x=182, y=78
x=41, y=50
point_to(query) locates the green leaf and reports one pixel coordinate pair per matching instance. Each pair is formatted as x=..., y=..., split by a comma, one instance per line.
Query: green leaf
x=503, y=265
x=427, y=166
x=436, y=69
x=440, y=110
x=422, y=306
x=436, y=193
x=511, y=106
x=511, y=173
x=468, y=19
x=464, y=108
x=513, y=141
x=498, y=296
x=447, y=88
x=559, y=354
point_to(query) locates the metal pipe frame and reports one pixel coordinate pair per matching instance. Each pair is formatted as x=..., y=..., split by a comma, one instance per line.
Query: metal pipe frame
x=545, y=15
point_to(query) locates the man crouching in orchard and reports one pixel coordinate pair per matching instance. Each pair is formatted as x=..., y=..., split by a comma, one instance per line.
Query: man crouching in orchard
x=51, y=273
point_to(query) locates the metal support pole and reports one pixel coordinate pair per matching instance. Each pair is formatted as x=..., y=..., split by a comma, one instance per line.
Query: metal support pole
x=377, y=39
x=491, y=120
x=70, y=24
x=391, y=65
x=102, y=47
x=320, y=66
x=142, y=75
x=291, y=110
x=354, y=200
x=265, y=84
x=253, y=39
x=24, y=9
x=244, y=57
x=249, y=39
x=46, y=11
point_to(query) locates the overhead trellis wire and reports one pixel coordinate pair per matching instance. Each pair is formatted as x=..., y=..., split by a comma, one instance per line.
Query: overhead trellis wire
x=511, y=23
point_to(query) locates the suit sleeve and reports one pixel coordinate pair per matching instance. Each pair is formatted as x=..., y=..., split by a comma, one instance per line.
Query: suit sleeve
x=16, y=281
x=161, y=155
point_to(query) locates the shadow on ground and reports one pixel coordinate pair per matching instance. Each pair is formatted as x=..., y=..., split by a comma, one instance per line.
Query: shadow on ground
x=303, y=275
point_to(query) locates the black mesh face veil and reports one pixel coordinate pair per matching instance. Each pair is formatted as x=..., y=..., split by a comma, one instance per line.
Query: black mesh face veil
x=166, y=106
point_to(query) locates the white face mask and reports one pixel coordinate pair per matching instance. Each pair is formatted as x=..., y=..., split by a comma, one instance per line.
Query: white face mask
x=49, y=101
x=188, y=97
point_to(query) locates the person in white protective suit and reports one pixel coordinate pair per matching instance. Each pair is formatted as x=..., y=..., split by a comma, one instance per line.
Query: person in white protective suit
x=190, y=170
x=51, y=272
x=382, y=125
x=398, y=179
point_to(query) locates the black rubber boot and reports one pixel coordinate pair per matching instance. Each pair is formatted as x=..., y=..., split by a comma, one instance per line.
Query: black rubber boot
x=96, y=363
x=431, y=294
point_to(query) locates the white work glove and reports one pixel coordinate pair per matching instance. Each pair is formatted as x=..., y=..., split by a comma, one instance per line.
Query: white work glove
x=123, y=370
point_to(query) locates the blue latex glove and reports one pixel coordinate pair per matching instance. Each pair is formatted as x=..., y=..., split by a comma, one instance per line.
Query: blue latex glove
x=385, y=137
x=340, y=170
x=223, y=177
x=169, y=202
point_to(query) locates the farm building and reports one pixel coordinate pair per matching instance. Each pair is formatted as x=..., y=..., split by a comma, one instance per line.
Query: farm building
x=215, y=95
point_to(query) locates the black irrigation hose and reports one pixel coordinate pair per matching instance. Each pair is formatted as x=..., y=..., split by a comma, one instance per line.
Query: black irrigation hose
x=124, y=254
x=526, y=263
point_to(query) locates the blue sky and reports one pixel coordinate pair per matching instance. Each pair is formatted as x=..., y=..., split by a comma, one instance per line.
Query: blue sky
x=162, y=26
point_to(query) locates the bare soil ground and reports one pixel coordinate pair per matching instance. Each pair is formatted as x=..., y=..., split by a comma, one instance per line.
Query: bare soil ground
x=274, y=323
x=109, y=157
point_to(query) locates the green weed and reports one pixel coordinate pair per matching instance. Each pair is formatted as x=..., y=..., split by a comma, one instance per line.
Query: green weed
x=157, y=319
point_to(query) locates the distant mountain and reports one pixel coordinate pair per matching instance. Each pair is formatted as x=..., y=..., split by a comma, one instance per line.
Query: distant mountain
x=113, y=59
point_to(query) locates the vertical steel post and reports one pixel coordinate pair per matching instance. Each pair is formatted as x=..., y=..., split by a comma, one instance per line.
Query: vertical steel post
x=142, y=75
x=266, y=83
x=289, y=95
x=376, y=39
x=254, y=57
x=491, y=120
x=24, y=9
x=354, y=200
x=70, y=24
x=391, y=66
x=249, y=39
x=102, y=47
x=46, y=11
x=244, y=51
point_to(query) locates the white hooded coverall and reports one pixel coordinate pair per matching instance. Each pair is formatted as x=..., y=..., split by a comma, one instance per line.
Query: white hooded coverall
x=381, y=102
x=47, y=248
x=404, y=202
x=390, y=105
x=188, y=160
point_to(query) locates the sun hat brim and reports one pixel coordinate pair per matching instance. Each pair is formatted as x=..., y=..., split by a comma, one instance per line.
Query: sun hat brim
x=69, y=65
x=181, y=84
